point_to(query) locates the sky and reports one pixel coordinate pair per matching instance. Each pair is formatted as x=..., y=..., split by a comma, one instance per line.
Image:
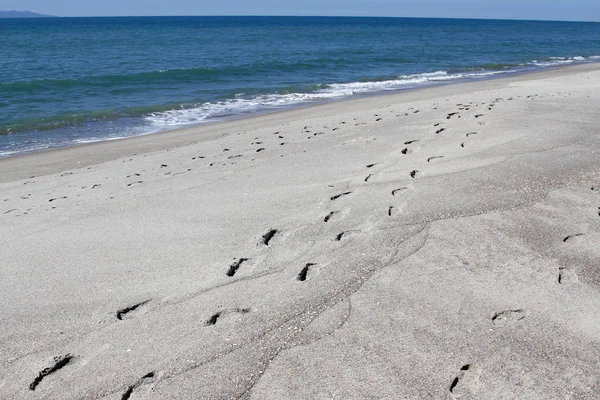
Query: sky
x=573, y=10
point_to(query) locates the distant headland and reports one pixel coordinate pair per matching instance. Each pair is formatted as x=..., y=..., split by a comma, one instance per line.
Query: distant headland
x=23, y=14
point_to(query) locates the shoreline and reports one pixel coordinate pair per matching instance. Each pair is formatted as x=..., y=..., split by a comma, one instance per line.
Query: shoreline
x=38, y=160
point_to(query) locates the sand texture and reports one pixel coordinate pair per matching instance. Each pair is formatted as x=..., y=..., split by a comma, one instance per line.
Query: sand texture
x=435, y=244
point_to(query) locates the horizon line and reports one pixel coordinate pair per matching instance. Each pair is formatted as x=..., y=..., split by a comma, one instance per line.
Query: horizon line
x=298, y=16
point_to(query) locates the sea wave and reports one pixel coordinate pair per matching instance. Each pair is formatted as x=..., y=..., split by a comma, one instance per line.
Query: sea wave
x=240, y=105
x=212, y=111
x=75, y=128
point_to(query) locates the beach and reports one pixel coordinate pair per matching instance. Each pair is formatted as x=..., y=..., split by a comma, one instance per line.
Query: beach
x=435, y=243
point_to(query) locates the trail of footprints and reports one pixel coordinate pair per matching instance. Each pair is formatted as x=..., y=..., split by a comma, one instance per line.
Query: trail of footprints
x=467, y=374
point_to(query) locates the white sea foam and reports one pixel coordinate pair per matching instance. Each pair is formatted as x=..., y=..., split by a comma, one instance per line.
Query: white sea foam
x=98, y=139
x=239, y=105
x=555, y=61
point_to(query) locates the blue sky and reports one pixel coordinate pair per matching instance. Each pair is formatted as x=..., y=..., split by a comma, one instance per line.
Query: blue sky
x=583, y=10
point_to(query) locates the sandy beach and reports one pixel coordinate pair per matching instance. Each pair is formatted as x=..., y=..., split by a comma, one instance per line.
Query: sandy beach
x=431, y=244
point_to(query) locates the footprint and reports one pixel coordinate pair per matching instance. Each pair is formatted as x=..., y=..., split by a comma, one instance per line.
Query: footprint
x=396, y=191
x=340, y=236
x=216, y=316
x=345, y=234
x=466, y=382
x=567, y=276
x=144, y=380
x=268, y=236
x=124, y=311
x=328, y=216
x=58, y=363
x=337, y=196
x=213, y=319
x=509, y=317
x=434, y=158
x=235, y=266
x=304, y=272
x=570, y=237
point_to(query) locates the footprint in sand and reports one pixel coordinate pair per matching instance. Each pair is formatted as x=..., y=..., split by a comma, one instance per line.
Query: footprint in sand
x=57, y=363
x=304, y=272
x=571, y=237
x=216, y=317
x=345, y=235
x=434, y=158
x=330, y=215
x=233, y=268
x=146, y=380
x=509, y=317
x=124, y=312
x=567, y=276
x=466, y=382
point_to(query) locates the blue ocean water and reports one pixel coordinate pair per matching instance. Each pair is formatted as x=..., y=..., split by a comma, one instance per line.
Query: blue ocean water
x=65, y=81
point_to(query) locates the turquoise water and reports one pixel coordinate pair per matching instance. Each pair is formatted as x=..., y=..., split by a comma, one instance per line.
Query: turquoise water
x=66, y=81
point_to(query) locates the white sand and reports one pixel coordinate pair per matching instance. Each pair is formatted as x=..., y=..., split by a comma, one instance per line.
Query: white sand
x=467, y=264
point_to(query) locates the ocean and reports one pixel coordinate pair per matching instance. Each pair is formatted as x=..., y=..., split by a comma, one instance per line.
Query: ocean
x=68, y=81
